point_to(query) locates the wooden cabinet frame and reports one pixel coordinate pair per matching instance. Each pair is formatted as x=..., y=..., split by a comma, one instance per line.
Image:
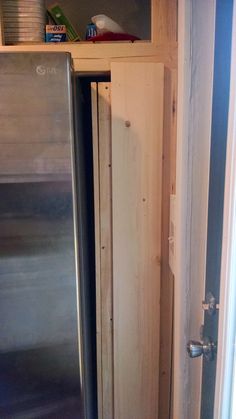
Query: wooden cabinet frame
x=97, y=56
x=162, y=48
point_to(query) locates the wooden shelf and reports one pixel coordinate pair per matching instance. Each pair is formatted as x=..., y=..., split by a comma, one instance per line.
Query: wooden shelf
x=97, y=56
x=88, y=56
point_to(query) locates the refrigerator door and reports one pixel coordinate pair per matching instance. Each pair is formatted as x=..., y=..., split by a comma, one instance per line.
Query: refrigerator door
x=42, y=371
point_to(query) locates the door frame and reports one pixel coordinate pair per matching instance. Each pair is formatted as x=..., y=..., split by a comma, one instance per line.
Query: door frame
x=225, y=374
x=195, y=86
x=226, y=357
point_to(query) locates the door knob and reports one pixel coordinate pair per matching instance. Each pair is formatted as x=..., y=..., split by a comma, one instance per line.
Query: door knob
x=207, y=348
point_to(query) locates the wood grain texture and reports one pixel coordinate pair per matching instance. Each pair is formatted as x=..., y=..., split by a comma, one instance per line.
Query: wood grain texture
x=173, y=134
x=137, y=136
x=96, y=188
x=164, y=21
x=167, y=279
x=104, y=121
x=98, y=56
x=103, y=209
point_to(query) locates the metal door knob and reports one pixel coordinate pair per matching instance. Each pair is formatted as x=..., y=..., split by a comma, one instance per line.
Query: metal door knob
x=207, y=348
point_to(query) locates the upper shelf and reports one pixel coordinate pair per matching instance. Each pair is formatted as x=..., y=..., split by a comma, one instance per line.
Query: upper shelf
x=97, y=56
x=88, y=56
x=134, y=16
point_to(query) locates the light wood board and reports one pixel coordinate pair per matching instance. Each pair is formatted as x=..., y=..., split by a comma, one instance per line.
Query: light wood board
x=96, y=188
x=104, y=120
x=97, y=57
x=167, y=278
x=195, y=75
x=164, y=21
x=102, y=181
x=137, y=136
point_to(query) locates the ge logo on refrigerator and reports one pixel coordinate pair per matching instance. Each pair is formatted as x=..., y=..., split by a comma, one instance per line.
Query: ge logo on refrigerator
x=41, y=70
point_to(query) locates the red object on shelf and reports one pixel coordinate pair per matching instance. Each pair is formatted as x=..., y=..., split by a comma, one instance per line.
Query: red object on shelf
x=111, y=36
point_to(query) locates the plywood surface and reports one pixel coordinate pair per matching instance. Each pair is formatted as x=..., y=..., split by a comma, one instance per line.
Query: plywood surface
x=137, y=135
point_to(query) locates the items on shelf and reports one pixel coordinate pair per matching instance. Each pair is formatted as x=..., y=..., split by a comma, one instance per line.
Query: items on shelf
x=55, y=33
x=23, y=20
x=91, y=31
x=105, y=24
x=58, y=16
x=110, y=36
x=109, y=30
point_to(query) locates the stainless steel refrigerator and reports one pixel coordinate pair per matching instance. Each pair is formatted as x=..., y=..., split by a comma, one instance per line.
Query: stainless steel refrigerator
x=47, y=364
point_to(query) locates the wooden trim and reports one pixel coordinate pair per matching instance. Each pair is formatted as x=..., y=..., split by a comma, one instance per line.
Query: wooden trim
x=89, y=50
x=104, y=121
x=103, y=238
x=173, y=133
x=96, y=186
x=164, y=21
x=137, y=135
x=104, y=64
x=195, y=76
x=167, y=279
x=181, y=284
x=101, y=54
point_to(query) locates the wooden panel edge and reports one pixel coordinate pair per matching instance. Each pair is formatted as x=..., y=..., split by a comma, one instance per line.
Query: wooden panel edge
x=134, y=401
x=167, y=279
x=104, y=120
x=164, y=21
x=94, y=103
x=85, y=54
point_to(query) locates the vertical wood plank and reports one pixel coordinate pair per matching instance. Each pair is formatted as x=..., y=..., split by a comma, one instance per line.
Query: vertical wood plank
x=104, y=120
x=94, y=101
x=173, y=148
x=164, y=21
x=167, y=279
x=101, y=109
x=137, y=135
x=173, y=134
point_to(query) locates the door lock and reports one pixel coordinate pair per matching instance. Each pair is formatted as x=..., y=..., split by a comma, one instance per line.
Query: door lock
x=210, y=304
x=207, y=348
